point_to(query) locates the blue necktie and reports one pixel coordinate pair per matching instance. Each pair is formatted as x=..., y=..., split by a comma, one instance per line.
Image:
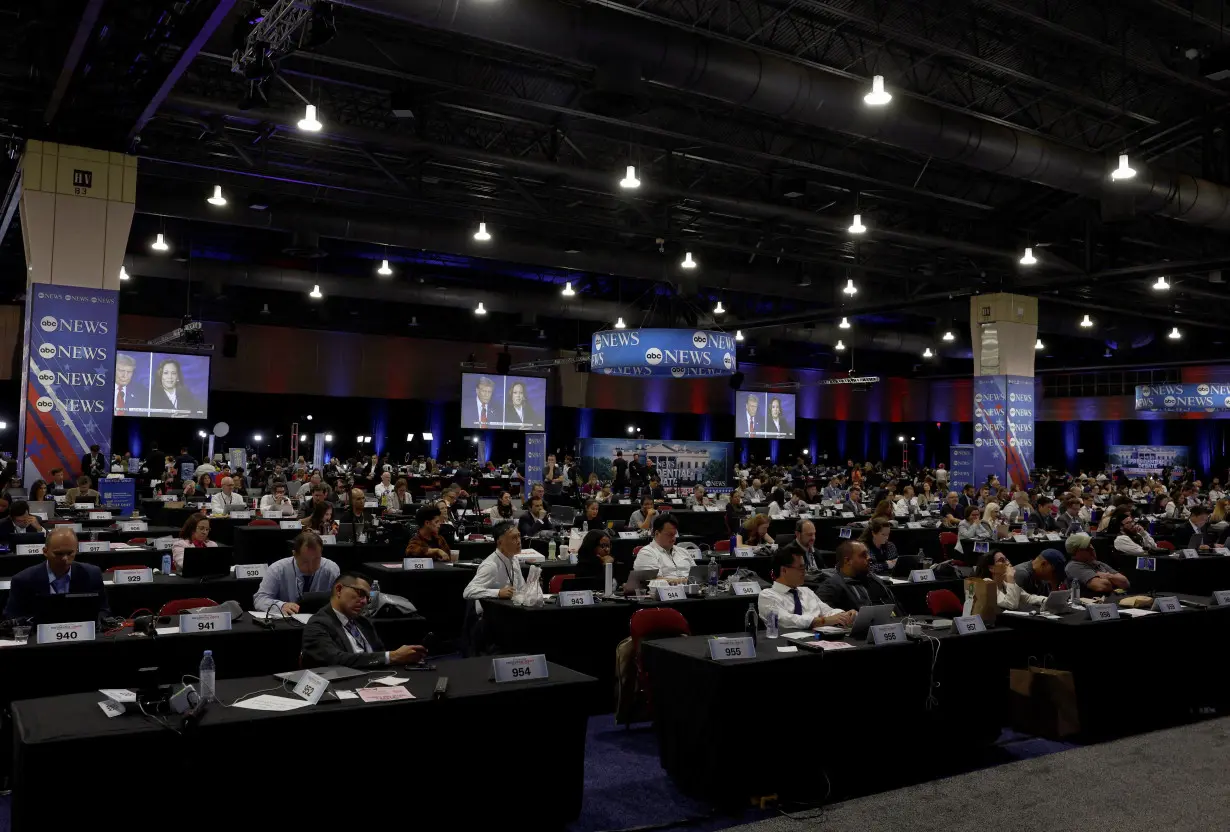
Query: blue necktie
x=798, y=602
x=357, y=635
x=60, y=585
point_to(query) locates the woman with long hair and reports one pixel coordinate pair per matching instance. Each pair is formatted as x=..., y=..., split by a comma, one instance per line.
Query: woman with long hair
x=593, y=554
x=882, y=551
x=194, y=534
x=321, y=520
x=755, y=531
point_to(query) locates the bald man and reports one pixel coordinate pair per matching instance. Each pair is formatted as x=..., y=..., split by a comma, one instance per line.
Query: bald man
x=226, y=497
x=59, y=574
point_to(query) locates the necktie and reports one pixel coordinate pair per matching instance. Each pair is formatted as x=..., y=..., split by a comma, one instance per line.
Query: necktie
x=357, y=635
x=305, y=585
x=483, y=418
x=798, y=602
x=60, y=585
x=119, y=405
x=751, y=426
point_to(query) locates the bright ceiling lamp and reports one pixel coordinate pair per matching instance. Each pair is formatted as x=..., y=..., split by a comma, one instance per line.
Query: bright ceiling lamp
x=948, y=336
x=840, y=347
x=878, y=97
x=480, y=309
x=1028, y=259
x=1085, y=322
x=719, y=310
x=217, y=199
x=1124, y=171
x=160, y=243
x=1162, y=285
x=850, y=289
x=309, y=123
x=1038, y=345
x=857, y=226
x=738, y=335
x=1175, y=335
x=688, y=262
x=384, y=270
x=927, y=353
x=568, y=291
x=845, y=324
x=620, y=324
x=481, y=234
x=123, y=273
x=630, y=181
x=315, y=293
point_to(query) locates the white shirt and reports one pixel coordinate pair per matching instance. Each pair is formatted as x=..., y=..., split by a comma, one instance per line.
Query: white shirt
x=267, y=506
x=382, y=489
x=902, y=507
x=170, y=394
x=1125, y=544
x=1014, y=509
x=775, y=511
x=673, y=564
x=478, y=410
x=355, y=647
x=218, y=502
x=494, y=573
x=754, y=495
x=779, y=599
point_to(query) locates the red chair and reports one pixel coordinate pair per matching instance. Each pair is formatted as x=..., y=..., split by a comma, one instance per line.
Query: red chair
x=263, y=521
x=666, y=507
x=947, y=539
x=655, y=623
x=557, y=581
x=138, y=541
x=180, y=604
x=1165, y=544
x=944, y=602
x=722, y=546
x=637, y=550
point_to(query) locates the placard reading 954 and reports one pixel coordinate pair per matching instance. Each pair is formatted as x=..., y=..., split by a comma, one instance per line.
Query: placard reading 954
x=204, y=622
x=519, y=668
x=69, y=633
x=728, y=649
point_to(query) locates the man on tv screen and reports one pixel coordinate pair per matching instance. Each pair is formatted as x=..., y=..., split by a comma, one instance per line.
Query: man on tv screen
x=517, y=409
x=777, y=418
x=482, y=408
x=128, y=394
x=753, y=422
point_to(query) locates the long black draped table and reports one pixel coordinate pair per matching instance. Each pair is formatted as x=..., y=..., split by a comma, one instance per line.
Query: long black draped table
x=1202, y=575
x=700, y=706
x=49, y=731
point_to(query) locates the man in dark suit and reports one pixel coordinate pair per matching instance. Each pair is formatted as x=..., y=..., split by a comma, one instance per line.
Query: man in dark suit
x=752, y=423
x=483, y=408
x=1183, y=535
x=59, y=575
x=19, y=521
x=852, y=584
x=340, y=634
x=94, y=464
x=128, y=395
x=804, y=544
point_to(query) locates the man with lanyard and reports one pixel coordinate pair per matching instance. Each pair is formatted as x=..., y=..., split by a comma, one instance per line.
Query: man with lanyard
x=499, y=575
x=340, y=634
x=660, y=554
x=293, y=577
x=804, y=544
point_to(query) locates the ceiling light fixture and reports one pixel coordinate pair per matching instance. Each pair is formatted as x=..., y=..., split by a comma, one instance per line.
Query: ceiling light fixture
x=850, y=289
x=857, y=226
x=878, y=96
x=840, y=347
x=568, y=291
x=630, y=181
x=845, y=324
x=309, y=123
x=1028, y=258
x=328, y=437
x=1124, y=171
x=688, y=262
x=738, y=335
x=1175, y=335
x=217, y=199
x=948, y=336
x=481, y=234
x=1038, y=345
x=315, y=293
x=1085, y=322
x=1162, y=285
x=718, y=310
x=160, y=243
x=620, y=324
x=123, y=273
x=384, y=270
x=480, y=309
x=927, y=353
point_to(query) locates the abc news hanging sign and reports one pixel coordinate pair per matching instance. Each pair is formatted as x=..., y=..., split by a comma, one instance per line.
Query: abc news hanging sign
x=1183, y=398
x=67, y=376
x=663, y=353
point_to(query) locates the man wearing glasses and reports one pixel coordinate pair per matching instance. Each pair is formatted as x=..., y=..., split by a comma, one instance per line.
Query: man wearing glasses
x=341, y=635
x=797, y=607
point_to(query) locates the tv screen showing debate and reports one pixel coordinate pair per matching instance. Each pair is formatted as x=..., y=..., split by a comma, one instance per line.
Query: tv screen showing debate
x=492, y=402
x=161, y=385
x=764, y=415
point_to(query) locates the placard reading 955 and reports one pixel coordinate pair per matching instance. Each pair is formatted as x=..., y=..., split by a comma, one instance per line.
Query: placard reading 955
x=519, y=668
x=729, y=649
x=204, y=622
x=69, y=633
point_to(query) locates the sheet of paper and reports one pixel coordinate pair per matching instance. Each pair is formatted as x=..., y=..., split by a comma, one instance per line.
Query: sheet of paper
x=108, y=583
x=384, y=694
x=6, y=642
x=893, y=580
x=834, y=645
x=345, y=694
x=803, y=636
x=829, y=629
x=302, y=617
x=1013, y=612
x=167, y=631
x=791, y=649
x=118, y=694
x=1134, y=613
x=269, y=702
x=391, y=680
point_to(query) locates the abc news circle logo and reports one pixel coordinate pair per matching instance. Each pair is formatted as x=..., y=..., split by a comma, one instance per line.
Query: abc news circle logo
x=678, y=372
x=48, y=324
x=977, y=397
x=653, y=356
x=46, y=377
x=700, y=340
x=978, y=427
x=1144, y=391
x=1202, y=390
x=1169, y=401
x=47, y=351
x=978, y=442
x=44, y=404
x=728, y=361
x=597, y=344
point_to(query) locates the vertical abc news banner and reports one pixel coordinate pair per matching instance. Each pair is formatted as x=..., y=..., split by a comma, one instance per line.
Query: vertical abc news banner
x=67, y=377
x=535, y=458
x=1003, y=429
x=962, y=473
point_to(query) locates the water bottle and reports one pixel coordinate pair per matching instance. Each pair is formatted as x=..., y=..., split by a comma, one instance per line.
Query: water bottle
x=207, y=676
x=551, y=550
x=374, y=596
x=166, y=564
x=1076, y=593
x=713, y=572
x=770, y=625
x=734, y=543
x=750, y=622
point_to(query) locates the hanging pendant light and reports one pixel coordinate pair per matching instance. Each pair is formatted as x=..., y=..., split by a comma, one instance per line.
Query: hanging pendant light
x=309, y=123
x=1085, y=322
x=1162, y=285
x=857, y=226
x=481, y=234
x=878, y=96
x=620, y=324
x=217, y=199
x=718, y=310
x=688, y=262
x=948, y=336
x=845, y=324
x=850, y=289
x=927, y=353
x=159, y=244
x=1124, y=171
x=738, y=335
x=840, y=347
x=480, y=309
x=1175, y=335
x=630, y=182
x=384, y=270
x=1038, y=345
x=1028, y=258
x=315, y=293
x=123, y=273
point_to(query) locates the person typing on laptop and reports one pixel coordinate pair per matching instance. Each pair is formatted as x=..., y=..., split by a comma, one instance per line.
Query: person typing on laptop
x=293, y=577
x=194, y=534
x=661, y=554
x=82, y=493
x=797, y=607
x=340, y=634
x=277, y=504
x=1191, y=534
x=19, y=521
x=1093, y=575
x=1042, y=575
x=222, y=502
x=59, y=575
x=852, y=584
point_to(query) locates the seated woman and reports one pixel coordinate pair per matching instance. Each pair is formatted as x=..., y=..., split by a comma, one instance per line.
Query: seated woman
x=38, y=492
x=884, y=510
x=997, y=525
x=592, y=486
x=205, y=481
x=399, y=499
x=777, y=504
x=594, y=553
x=194, y=534
x=604, y=494
x=755, y=531
x=996, y=568
x=880, y=549
x=503, y=508
x=321, y=520
x=972, y=528
x=588, y=520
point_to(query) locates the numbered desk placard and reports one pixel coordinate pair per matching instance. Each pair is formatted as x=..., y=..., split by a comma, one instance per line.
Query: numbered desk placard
x=968, y=624
x=371, y=504
x=167, y=498
x=133, y=576
x=248, y=571
x=204, y=622
x=417, y=564
x=311, y=687
x=744, y=552
x=100, y=515
x=29, y=548
x=671, y=593
x=290, y=525
x=1221, y=597
x=913, y=525
x=519, y=668
x=1103, y=612
x=69, y=633
x=625, y=502
x=1188, y=553
x=328, y=539
x=41, y=515
x=93, y=546
x=847, y=515
x=922, y=576
x=1166, y=603
x=729, y=649
x=1020, y=538
x=163, y=544
x=241, y=515
x=134, y=526
x=893, y=633
x=746, y=588
x=576, y=598
x=82, y=506
x=1053, y=536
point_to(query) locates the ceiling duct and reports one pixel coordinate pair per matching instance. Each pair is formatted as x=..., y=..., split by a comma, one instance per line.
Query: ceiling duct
x=745, y=77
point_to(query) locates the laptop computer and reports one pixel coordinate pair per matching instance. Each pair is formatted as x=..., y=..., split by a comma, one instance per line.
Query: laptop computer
x=639, y=579
x=345, y=533
x=1059, y=602
x=47, y=507
x=906, y=564
x=870, y=616
x=332, y=673
x=313, y=602
x=72, y=606
x=207, y=562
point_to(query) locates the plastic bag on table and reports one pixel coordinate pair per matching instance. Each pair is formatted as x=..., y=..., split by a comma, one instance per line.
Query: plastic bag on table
x=530, y=595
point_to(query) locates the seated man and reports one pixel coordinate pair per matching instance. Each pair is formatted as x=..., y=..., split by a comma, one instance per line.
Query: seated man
x=1131, y=538
x=227, y=497
x=535, y=520
x=499, y=575
x=83, y=493
x=289, y=579
x=320, y=494
x=277, y=504
x=1184, y=533
x=1019, y=510
x=339, y=634
x=852, y=584
x=1093, y=575
x=1045, y=518
x=19, y=521
x=672, y=563
x=642, y=518
x=804, y=545
x=1043, y=575
x=59, y=575
x=797, y=607
x=427, y=541
x=951, y=513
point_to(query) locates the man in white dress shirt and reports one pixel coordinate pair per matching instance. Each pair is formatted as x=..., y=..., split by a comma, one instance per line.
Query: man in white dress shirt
x=797, y=607
x=385, y=486
x=672, y=564
x=277, y=503
x=225, y=497
x=499, y=576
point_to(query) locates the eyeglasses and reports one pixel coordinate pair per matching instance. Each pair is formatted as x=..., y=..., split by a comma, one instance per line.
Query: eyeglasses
x=363, y=594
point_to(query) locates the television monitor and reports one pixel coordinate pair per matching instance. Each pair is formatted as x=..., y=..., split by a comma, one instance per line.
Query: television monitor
x=503, y=402
x=161, y=385
x=764, y=415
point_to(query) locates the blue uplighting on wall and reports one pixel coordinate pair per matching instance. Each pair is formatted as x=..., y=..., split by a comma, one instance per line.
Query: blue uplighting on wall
x=1111, y=431
x=1070, y=438
x=435, y=423
x=380, y=423
x=585, y=422
x=134, y=442
x=666, y=426
x=841, y=440
x=706, y=427
x=1157, y=433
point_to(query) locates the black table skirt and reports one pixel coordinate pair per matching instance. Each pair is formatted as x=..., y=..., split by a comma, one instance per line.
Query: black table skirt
x=224, y=752
x=1202, y=575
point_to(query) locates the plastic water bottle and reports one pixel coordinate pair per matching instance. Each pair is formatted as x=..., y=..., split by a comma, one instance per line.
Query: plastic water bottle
x=713, y=572
x=374, y=596
x=166, y=564
x=750, y=622
x=552, y=550
x=770, y=625
x=734, y=543
x=208, y=675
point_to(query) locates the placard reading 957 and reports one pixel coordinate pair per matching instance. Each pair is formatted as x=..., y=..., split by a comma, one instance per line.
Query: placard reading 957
x=728, y=649
x=519, y=668
x=204, y=622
